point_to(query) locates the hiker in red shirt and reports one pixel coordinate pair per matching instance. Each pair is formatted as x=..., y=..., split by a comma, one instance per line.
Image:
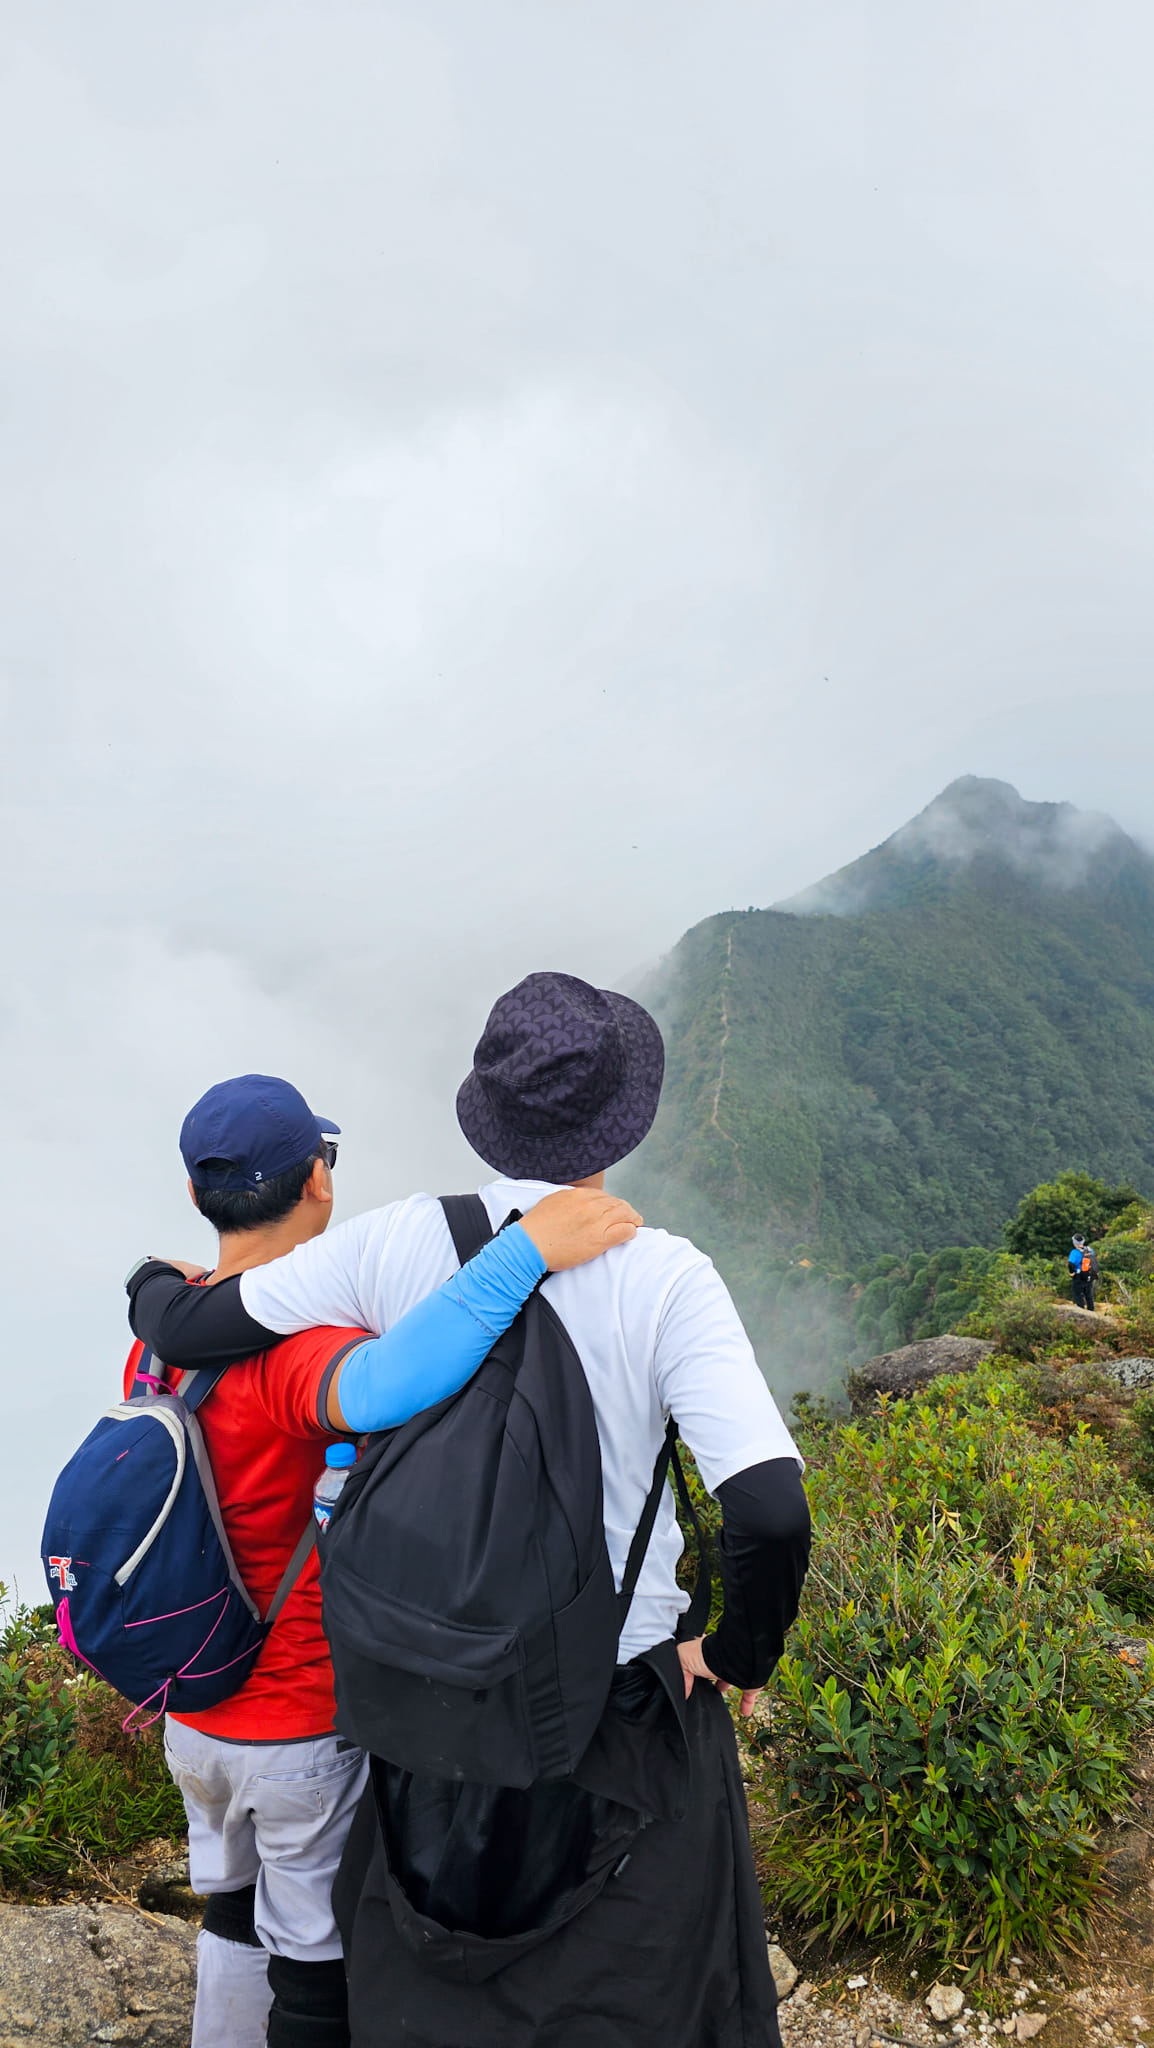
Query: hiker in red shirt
x=268, y=1786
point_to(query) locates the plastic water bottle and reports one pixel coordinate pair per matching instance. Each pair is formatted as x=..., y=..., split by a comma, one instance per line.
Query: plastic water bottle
x=339, y=1461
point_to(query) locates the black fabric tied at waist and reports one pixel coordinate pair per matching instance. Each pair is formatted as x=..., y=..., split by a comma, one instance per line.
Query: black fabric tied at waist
x=477, y=1875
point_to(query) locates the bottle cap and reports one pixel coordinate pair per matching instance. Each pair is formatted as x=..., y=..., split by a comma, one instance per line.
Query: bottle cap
x=341, y=1455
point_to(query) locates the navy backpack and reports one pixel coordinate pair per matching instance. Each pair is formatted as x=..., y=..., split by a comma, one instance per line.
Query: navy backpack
x=468, y=1597
x=137, y=1560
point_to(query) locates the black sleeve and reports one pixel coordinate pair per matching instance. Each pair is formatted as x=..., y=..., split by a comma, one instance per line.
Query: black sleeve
x=189, y=1326
x=765, y=1537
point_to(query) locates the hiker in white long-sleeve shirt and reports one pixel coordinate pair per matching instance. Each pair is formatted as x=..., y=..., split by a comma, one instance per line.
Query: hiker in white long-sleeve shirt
x=566, y=1082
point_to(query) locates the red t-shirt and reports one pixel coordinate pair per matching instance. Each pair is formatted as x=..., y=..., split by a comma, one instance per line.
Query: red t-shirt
x=266, y=1436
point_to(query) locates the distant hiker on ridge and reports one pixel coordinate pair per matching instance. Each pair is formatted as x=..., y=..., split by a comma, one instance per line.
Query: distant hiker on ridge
x=618, y=1902
x=1083, y=1266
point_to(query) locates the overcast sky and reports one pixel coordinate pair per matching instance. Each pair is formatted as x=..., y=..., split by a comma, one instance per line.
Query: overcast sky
x=482, y=487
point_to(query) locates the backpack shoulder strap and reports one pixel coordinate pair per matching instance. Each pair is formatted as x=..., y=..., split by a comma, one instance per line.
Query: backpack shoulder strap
x=293, y=1569
x=195, y=1385
x=695, y=1620
x=468, y=1221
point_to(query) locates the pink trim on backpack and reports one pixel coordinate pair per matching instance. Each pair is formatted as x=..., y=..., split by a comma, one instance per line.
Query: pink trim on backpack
x=68, y=1634
x=150, y=1618
x=130, y=1719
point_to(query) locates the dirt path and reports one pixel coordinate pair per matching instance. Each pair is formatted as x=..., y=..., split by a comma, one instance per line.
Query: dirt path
x=714, y=1117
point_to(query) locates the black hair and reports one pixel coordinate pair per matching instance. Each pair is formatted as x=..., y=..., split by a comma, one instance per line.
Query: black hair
x=232, y=1209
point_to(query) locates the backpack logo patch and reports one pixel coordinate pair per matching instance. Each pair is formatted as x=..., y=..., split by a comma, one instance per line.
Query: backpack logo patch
x=59, y=1568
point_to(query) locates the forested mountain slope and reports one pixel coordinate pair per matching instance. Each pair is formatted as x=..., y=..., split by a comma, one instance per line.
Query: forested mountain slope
x=892, y=1059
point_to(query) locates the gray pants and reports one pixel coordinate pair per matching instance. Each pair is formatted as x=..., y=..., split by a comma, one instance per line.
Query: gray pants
x=273, y=1814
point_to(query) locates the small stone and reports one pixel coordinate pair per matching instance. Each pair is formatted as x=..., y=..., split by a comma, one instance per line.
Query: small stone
x=785, y=1973
x=856, y=1983
x=1031, y=2023
x=945, y=2001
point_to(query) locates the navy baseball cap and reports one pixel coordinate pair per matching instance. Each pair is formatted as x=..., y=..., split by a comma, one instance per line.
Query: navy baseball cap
x=245, y=1131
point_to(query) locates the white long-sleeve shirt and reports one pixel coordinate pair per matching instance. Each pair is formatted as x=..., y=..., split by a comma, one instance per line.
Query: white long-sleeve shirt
x=653, y=1325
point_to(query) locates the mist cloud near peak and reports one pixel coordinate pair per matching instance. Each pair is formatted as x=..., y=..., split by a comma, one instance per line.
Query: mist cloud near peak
x=975, y=818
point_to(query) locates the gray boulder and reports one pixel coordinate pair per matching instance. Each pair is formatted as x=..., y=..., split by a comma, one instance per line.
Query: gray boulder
x=899, y=1373
x=1095, y=1321
x=1134, y=1374
x=73, y=1975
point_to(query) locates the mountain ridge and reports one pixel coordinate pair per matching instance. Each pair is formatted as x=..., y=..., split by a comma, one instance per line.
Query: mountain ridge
x=895, y=1074
x=974, y=819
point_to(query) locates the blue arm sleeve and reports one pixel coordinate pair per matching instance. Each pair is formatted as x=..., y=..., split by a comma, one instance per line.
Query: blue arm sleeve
x=434, y=1349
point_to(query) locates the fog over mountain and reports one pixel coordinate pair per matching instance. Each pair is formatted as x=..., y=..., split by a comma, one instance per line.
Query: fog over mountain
x=488, y=488
x=882, y=1066
x=975, y=820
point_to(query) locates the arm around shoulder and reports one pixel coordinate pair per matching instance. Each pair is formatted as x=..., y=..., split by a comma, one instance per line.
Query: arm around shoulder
x=187, y=1325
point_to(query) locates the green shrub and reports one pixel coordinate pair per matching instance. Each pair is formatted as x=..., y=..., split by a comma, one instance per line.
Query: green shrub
x=1046, y=1218
x=709, y=1519
x=1142, y=1454
x=1133, y=1221
x=73, y=1785
x=1018, y=1314
x=1124, y=1255
x=955, y=1718
x=922, y=1296
x=36, y=1728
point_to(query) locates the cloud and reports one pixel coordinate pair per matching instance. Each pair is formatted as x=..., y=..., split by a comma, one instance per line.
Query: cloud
x=976, y=817
x=485, y=488
x=1055, y=844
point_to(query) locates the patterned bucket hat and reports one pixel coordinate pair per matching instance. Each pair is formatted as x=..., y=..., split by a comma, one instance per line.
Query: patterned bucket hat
x=566, y=1080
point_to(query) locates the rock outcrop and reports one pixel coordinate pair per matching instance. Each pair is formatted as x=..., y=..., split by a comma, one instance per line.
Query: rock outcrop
x=1094, y=1321
x=898, y=1373
x=1133, y=1374
x=72, y=1975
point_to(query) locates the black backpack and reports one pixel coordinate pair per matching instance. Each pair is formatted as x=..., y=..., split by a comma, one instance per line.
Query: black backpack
x=467, y=1591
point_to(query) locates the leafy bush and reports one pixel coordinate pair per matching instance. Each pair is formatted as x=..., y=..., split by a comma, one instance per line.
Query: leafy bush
x=903, y=1300
x=103, y=1805
x=1133, y=1221
x=1046, y=1218
x=956, y=1720
x=1017, y=1312
x=36, y=1728
x=1124, y=1255
x=709, y=1519
x=1142, y=1454
x=72, y=1783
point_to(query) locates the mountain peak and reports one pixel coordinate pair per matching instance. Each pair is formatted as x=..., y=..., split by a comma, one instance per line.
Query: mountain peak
x=975, y=820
